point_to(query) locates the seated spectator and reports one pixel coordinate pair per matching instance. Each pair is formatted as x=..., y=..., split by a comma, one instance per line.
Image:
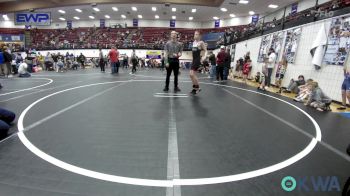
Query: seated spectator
x=304, y=91
x=293, y=85
x=318, y=99
x=23, y=70
x=60, y=66
x=6, y=119
x=258, y=77
x=75, y=65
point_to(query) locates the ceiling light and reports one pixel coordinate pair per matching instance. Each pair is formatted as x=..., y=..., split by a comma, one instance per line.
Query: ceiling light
x=62, y=18
x=232, y=15
x=92, y=17
x=243, y=2
x=62, y=11
x=194, y=10
x=114, y=8
x=190, y=18
x=173, y=9
x=134, y=9
x=156, y=16
x=123, y=16
x=223, y=9
x=96, y=9
x=273, y=6
x=154, y=9
x=106, y=16
x=139, y=16
x=78, y=10
x=251, y=13
x=76, y=18
x=173, y=17
x=216, y=18
x=5, y=17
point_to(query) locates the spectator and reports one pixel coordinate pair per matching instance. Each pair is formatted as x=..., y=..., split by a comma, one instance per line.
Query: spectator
x=271, y=64
x=7, y=61
x=304, y=91
x=23, y=70
x=3, y=67
x=114, y=58
x=318, y=99
x=6, y=119
x=246, y=70
x=281, y=71
x=212, y=60
x=220, y=63
x=345, y=88
x=81, y=60
x=293, y=85
x=227, y=64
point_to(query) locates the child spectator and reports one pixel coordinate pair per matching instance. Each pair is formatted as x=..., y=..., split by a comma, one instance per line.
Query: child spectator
x=281, y=71
x=257, y=77
x=304, y=91
x=246, y=70
x=318, y=99
x=293, y=85
x=264, y=74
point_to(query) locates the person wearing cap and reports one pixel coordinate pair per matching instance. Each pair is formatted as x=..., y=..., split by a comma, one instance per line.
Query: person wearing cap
x=221, y=63
x=172, y=52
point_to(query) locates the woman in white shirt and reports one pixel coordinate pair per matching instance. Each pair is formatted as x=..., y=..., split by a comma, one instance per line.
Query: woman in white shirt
x=270, y=66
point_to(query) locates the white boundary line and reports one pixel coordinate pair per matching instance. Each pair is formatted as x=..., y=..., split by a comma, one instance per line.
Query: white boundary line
x=50, y=81
x=174, y=182
x=173, y=168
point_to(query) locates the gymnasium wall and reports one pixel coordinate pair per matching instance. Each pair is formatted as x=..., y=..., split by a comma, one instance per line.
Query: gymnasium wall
x=330, y=77
x=89, y=53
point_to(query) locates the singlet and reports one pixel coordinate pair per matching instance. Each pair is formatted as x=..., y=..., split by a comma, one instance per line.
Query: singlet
x=196, y=54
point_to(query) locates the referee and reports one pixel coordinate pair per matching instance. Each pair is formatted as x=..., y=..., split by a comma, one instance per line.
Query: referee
x=172, y=53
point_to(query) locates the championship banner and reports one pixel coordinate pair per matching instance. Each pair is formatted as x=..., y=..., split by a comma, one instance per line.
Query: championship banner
x=153, y=55
x=135, y=22
x=291, y=44
x=69, y=24
x=277, y=43
x=102, y=23
x=294, y=8
x=255, y=19
x=217, y=23
x=264, y=48
x=11, y=38
x=30, y=18
x=172, y=23
x=338, y=46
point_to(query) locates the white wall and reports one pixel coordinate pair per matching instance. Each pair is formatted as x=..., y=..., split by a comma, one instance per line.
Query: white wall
x=330, y=77
x=228, y=22
x=89, y=53
x=306, y=4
